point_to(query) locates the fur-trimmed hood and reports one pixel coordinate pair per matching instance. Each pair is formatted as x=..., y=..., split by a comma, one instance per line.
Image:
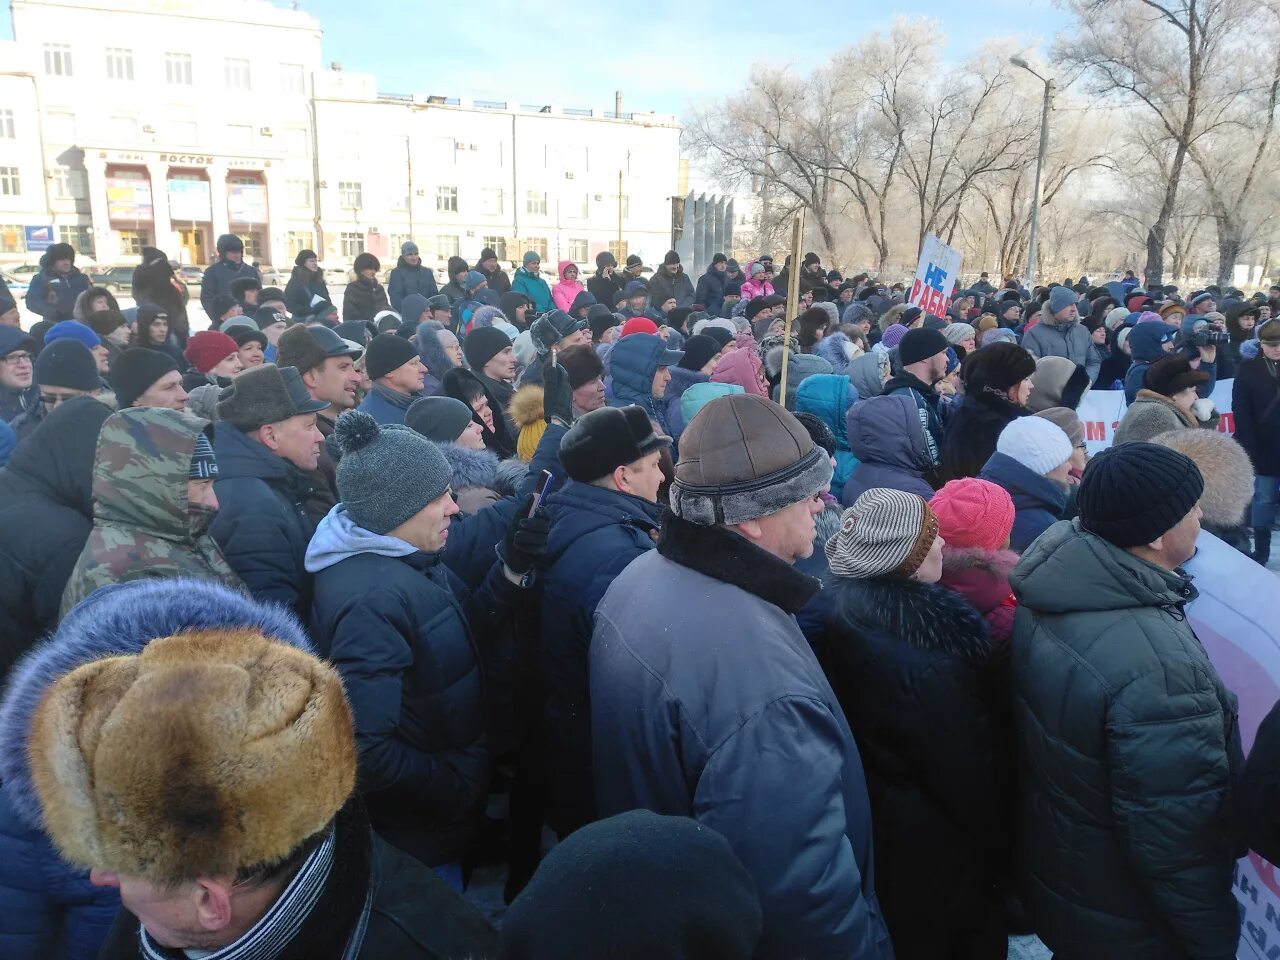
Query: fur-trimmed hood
x=482, y=468
x=117, y=621
x=999, y=563
x=1227, y=472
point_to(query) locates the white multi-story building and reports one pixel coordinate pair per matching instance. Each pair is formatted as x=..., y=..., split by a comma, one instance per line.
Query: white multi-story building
x=125, y=123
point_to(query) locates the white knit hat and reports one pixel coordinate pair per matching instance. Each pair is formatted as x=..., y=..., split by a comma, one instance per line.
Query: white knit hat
x=886, y=533
x=1039, y=445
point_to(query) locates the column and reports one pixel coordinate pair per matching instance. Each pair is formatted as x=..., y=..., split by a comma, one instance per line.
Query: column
x=276, y=228
x=104, y=247
x=218, y=200
x=164, y=238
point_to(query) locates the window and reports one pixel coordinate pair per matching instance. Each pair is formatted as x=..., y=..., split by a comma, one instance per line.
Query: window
x=396, y=240
x=350, y=194
x=235, y=73
x=12, y=238
x=296, y=141
x=299, y=192
x=10, y=183
x=535, y=202
x=239, y=136
x=446, y=199
x=578, y=250
x=123, y=129
x=619, y=250
x=119, y=63
x=399, y=199
x=299, y=240
x=132, y=242
x=252, y=241
x=578, y=208
x=68, y=184
x=498, y=245
x=60, y=126
x=351, y=244
x=177, y=69
x=57, y=59
x=446, y=246
x=180, y=131
x=537, y=244
x=293, y=79
x=79, y=237
x=6, y=125
x=491, y=201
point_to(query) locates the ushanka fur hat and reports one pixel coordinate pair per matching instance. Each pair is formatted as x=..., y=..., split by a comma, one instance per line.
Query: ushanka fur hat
x=174, y=729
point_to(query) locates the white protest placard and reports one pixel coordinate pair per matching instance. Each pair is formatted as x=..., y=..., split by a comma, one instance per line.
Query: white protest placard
x=936, y=276
x=1100, y=411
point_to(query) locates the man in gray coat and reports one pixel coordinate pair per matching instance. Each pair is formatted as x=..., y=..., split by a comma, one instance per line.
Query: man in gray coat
x=707, y=702
x=1128, y=743
x=1060, y=333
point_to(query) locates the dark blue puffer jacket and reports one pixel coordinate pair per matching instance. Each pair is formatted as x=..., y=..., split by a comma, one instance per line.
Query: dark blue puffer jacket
x=218, y=277
x=1038, y=502
x=1146, y=346
x=633, y=361
x=53, y=296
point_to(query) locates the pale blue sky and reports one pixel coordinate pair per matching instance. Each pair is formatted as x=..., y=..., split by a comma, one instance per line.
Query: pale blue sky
x=663, y=54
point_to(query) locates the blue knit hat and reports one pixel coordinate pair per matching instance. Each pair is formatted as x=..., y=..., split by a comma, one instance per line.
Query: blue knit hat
x=387, y=473
x=72, y=330
x=474, y=279
x=1060, y=298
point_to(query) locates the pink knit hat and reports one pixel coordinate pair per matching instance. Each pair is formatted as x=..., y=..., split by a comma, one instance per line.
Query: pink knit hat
x=973, y=513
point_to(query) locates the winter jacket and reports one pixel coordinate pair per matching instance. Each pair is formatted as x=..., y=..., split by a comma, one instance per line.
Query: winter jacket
x=391, y=620
x=1151, y=413
x=837, y=350
x=1072, y=340
x=142, y=524
x=982, y=577
x=387, y=406
x=926, y=400
x=405, y=280
x=756, y=288
x=303, y=287
x=155, y=282
x=14, y=403
x=502, y=440
x=681, y=380
x=1038, y=502
x=664, y=285
x=972, y=432
x=830, y=397
x=1259, y=788
x=1146, y=346
x=1125, y=783
x=8, y=441
x=497, y=279
x=633, y=363
x=566, y=291
x=46, y=514
x=886, y=437
x=534, y=287
x=595, y=534
x=864, y=374
x=217, y=280
x=262, y=524
x=708, y=703
x=710, y=291
x=53, y=295
x=912, y=666
x=364, y=300
x=1255, y=405
x=603, y=288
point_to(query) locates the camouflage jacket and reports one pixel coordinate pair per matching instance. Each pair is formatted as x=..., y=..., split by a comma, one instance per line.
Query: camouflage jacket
x=142, y=526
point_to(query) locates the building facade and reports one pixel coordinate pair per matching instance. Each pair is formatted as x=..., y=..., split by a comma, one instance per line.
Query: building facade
x=126, y=123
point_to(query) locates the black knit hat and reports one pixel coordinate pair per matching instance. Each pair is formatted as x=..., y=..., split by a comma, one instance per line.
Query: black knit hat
x=582, y=363
x=1172, y=374
x=1136, y=492
x=719, y=334
x=135, y=371
x=920, y=344
x=482, y=345
x=698, y=351
x=600, y=318
x=608, y=438
x=439, y=419
x=267, y=316
x=68, y=363
x=387, y=352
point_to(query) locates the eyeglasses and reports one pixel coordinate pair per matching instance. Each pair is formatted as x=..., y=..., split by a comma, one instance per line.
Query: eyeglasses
x=51, y=400
x=13, y=359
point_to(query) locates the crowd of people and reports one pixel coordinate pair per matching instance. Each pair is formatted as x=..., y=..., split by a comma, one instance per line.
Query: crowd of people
x=308, y=616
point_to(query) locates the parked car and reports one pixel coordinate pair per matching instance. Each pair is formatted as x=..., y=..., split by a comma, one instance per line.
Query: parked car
x=118, y=280
x=26, y=271
x=334, y=278
x=191, y=276
x=271, y=277
x=17, y=286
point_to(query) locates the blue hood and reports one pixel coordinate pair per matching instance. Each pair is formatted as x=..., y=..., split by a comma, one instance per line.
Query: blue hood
x=1028, y=490
x=832, y=348
x=337, y=537
x=887, y=430
x=119, y=621
x=633, y=361
x=1146, y=339
x=828, y=396
x=430, y=352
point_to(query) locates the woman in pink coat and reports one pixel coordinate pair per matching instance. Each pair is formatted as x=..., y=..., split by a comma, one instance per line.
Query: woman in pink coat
x=757, y=283
x=741, y=367
x=568, y=287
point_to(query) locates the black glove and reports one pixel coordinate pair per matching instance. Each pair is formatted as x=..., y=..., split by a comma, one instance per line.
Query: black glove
x=526, y=539
x=557, y=396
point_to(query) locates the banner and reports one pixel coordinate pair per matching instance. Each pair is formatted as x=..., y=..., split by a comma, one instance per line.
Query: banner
x=38, y=238
x=936, y=276
x=247, y=202
x=188, y=200
x=1102, y=410
x=1237, y=618
x=128, y=199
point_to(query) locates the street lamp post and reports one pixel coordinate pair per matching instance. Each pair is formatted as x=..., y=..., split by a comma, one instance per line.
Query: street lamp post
x=1044, y=144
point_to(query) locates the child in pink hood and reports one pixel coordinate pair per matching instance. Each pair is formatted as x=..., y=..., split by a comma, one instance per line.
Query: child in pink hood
x=975, y=518
x=564, y=292
x=757, y=283
x=742, y=367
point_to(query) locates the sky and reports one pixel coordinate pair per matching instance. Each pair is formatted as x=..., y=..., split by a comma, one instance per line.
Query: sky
x=665, y=55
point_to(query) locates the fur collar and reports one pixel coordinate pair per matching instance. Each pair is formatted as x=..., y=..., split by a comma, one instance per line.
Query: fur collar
x=1153, y=397
x=999, y=563
x=116, y=621
x=471, y=468
x=922, y=615
x=730, y=558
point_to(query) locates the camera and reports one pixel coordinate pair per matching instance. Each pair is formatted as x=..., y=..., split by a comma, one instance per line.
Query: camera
x=1209, y=338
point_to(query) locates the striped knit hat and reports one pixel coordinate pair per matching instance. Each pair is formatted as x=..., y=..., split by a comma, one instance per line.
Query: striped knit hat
x=886, y=533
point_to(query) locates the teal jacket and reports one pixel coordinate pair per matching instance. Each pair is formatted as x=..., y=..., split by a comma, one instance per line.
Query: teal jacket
x=534, y=287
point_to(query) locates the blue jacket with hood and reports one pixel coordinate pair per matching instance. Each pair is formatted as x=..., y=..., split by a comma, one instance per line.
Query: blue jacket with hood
x=1146, y=346
x=887, y=437
x=406, y=280
x=829, y=396
x=1038, y=502
x=633, y=361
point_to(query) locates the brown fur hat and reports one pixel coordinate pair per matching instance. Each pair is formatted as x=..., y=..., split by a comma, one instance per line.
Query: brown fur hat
x=1227, y=472
x=205, y=753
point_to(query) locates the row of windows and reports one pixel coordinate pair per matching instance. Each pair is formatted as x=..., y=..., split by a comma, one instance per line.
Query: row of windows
x=351, y=197
x=13, y=239
x=60, y=128
x=178, y=72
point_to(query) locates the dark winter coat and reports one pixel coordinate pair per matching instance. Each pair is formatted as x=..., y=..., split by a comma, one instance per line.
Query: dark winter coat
x=681, y=380
x=218, y=278
x=1125, y=784
x=262, y=524
x=364, y=300
x=604, y=289
x=46, y=514
x=387, y=406
x=1260, y=790
x=633, y=361
x=663, y=286
x=707, y=702
x=926, y=401
x=53, y=295
x=1255, y=404
x=1146, y=347
x=406, y=280
x=396, y=629
x=912, y=666
x=710, y=291
x=595, y=534
x=14, y=403
x=972, y=432
x=302, y=287
x=497, y=279
x=887, y=438
x=1038, y=502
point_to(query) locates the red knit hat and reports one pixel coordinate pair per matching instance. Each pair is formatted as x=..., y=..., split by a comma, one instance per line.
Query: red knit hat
x=208, y=348
x=973, y=513
x=638, y=325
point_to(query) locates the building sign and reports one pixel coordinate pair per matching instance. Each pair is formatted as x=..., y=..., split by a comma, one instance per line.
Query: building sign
x=247, y=202
x=188, y=200
x=39, y=238
x=128, y=199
